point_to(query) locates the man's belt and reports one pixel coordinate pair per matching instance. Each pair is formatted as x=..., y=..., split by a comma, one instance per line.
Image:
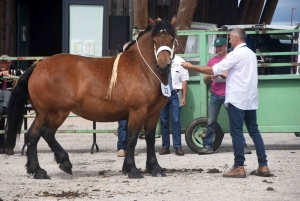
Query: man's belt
x=175, y=91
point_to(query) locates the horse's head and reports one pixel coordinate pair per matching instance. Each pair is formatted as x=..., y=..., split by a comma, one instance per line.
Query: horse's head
x=163, y=34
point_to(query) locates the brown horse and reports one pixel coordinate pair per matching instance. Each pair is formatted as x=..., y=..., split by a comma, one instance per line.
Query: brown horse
x=67, y=83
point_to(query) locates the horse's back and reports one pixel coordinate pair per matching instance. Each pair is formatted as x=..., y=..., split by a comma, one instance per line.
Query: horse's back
x=65, y=79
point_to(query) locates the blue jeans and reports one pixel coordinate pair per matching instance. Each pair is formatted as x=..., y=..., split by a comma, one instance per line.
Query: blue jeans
x=122, y=134
x=236, y=119
x=213, y=112
x=215, y=104
x=174, y=108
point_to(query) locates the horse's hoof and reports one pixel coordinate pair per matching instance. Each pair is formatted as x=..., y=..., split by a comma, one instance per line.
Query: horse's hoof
x=159, y=174
x=41, y=176
x=66, y=169
x=135, y=176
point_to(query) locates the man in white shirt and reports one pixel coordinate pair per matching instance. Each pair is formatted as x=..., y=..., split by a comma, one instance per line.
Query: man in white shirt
x=178, y=84
x=241, y=100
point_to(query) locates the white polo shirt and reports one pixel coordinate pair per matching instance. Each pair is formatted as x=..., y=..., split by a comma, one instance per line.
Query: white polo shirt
x=179, y=74
x=241, y=80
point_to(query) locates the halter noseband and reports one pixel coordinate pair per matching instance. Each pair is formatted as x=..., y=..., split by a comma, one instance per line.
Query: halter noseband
x=161, y=48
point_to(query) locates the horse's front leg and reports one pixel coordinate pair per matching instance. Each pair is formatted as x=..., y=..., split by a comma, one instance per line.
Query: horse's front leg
x=133, y=131
x=152, y=166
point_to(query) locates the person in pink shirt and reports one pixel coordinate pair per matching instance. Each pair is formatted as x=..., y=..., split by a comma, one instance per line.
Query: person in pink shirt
x=217, y=98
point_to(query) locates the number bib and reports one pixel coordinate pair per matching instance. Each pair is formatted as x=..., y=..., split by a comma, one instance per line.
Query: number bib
x=165, y=89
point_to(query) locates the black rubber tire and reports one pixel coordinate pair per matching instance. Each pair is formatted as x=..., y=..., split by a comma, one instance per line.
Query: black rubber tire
x=195, y=134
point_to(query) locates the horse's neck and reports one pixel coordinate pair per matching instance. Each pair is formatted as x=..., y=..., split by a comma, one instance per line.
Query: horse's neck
x=145, y=50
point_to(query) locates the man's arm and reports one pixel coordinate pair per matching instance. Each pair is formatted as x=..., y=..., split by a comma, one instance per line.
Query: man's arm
x=184, y=91
x=201, y=69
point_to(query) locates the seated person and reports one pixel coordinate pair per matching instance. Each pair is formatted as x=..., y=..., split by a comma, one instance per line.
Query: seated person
x=6, y=69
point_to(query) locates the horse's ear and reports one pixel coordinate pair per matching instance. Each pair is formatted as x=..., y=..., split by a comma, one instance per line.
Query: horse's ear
x=173, y=22
x=151, y=21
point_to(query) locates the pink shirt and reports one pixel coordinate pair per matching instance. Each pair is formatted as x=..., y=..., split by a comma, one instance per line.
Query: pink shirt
x=217, y=88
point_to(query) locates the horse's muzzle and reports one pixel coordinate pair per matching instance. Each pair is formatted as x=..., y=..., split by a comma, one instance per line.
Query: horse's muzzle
x=163, y=70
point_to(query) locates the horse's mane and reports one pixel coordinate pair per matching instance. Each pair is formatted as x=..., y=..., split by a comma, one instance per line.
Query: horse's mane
x=159, y=27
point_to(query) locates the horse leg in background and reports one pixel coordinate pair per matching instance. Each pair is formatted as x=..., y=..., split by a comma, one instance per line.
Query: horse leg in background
x=48, y=133
x=129, y=166
x=152, y=166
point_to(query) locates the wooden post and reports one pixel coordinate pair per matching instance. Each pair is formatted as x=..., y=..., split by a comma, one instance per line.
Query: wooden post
x=141, y=14
x=184, y=20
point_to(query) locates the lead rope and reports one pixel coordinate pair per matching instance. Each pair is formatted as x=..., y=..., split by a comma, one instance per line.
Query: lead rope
x=146, y=62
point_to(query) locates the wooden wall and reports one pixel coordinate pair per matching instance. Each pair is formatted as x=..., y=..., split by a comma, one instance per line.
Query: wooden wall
x=219, y=12
x=7, y=27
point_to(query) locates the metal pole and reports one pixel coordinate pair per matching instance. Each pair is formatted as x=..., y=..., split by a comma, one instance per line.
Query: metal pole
x=292, y=16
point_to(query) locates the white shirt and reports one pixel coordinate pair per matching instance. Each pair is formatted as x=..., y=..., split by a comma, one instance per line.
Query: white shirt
x=241, y=80
x=179, y=74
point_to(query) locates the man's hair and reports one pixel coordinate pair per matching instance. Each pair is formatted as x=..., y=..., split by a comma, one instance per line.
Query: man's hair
x=240, y=33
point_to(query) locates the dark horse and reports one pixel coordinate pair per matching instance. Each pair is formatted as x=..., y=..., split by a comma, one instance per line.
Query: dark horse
x=67, y=83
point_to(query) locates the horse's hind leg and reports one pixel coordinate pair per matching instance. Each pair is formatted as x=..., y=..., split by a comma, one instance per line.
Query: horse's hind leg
x=152, y=166
x=48, y=133
x=32, y=165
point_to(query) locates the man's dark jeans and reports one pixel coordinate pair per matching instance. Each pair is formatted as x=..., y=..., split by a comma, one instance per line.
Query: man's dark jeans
x=236, y=119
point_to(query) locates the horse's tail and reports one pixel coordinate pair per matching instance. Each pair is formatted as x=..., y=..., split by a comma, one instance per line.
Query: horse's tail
x=16, y=108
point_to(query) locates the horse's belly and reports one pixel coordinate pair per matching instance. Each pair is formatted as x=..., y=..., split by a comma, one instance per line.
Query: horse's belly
x=101, y=112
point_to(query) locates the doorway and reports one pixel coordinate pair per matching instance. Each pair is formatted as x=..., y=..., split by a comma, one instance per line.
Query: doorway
x=39, y=29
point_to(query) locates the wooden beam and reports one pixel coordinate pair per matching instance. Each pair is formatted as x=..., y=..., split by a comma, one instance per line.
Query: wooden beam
x=254, y=11
x=141, y=14
x=184, y=20
x=242, y=11
x=268, y=11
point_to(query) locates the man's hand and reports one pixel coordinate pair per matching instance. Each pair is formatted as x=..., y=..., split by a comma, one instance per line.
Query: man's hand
x=224, y=75
x=183, y=102
x=6, y=73
x=187, y=65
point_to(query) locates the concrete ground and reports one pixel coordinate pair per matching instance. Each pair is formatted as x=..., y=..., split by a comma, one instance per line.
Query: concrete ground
x=98, y=176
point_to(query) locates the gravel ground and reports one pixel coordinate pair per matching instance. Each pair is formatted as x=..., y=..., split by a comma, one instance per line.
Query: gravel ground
x=98, y=176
